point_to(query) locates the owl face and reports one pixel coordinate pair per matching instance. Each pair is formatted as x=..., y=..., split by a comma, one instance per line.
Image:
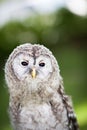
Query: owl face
x=25, y=65
x=29, y=63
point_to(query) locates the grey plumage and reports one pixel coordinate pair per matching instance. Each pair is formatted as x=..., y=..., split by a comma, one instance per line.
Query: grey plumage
x=37, y=98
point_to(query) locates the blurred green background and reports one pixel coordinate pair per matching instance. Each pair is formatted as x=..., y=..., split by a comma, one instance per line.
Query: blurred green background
x=65, y=34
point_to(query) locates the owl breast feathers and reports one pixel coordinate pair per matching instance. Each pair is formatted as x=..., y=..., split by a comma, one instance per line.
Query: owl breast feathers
x=37, y=98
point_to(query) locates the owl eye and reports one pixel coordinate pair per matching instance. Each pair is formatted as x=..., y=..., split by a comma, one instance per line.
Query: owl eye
x=42, y=64
x=24, y=63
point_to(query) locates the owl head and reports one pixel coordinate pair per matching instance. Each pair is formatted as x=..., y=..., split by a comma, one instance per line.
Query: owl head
x=31, y=63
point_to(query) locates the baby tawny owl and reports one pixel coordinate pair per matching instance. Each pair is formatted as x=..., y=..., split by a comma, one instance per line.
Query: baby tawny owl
x=37, y=99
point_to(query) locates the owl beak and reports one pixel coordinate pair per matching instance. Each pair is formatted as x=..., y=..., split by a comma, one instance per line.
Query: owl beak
x=33, y=73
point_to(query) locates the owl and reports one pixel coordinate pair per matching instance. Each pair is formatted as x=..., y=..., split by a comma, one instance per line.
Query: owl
x=37, y=100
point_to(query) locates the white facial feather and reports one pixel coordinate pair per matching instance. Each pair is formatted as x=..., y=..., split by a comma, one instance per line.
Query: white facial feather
x=45, y=71
x=24, y=71
x=20, y=70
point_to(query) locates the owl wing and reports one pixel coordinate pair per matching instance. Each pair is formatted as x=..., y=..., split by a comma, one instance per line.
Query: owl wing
x=72, y=120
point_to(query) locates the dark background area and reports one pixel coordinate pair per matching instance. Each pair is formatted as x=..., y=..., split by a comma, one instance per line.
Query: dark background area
x=65, y=34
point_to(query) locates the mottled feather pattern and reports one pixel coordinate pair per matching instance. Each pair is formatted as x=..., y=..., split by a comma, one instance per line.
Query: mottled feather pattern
x=38, y=103
x=72, y=120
